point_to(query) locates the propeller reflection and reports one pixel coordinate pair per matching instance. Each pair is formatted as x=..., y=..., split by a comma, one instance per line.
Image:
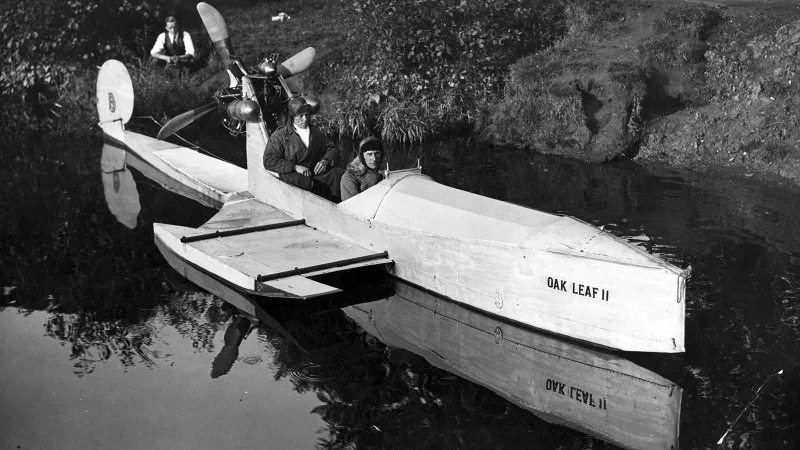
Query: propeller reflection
x=236, y=332
x=119, y=186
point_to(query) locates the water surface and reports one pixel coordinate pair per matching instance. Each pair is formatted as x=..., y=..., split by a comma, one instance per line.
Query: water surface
x=104, y=345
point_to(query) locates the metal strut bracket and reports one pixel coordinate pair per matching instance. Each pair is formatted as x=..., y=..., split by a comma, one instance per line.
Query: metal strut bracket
x=218, y=234
x=309, y=269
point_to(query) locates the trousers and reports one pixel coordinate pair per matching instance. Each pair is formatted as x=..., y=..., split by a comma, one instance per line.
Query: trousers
x=325, y=185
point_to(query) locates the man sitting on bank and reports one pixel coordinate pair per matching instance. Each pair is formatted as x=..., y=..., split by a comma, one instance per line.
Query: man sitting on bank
x=362, y=173
x=302, y=155
x=173, y=47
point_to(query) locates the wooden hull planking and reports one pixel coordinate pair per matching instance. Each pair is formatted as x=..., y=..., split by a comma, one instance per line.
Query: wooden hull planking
x=551, y=272
x=184, y=171
x=272, y=244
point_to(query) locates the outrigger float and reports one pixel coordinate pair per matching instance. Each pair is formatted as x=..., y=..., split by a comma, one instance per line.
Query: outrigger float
x=552, y=272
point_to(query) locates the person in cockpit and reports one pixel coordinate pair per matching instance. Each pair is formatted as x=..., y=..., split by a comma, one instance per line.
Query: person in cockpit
x=363, y=171
x=302, y=155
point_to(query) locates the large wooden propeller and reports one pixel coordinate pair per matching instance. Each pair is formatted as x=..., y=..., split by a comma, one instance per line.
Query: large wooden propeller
x=218, y=32
x=181, y=120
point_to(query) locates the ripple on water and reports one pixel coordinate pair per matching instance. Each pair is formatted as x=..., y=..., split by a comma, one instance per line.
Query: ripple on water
x=313, y=372
x=252, y=360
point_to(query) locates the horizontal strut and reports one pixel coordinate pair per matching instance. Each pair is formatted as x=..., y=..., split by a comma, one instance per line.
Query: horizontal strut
x=309, y=269
x=219, y=234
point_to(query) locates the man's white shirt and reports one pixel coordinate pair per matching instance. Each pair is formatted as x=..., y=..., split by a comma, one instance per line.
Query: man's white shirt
x=304, y=134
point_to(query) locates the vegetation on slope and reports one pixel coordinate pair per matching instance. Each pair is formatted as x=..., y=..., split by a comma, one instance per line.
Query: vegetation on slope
x=403, y=69
x=597, y=80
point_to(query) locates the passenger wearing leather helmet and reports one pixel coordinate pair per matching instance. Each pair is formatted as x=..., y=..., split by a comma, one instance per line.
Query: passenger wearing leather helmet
x=363, y=171
x=302, y=155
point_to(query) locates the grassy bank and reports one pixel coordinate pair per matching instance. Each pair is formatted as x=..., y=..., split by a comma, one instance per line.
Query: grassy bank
x=401, y=69
x=681, y=82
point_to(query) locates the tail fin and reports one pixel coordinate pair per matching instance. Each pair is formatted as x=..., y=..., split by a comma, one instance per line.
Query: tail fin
x=114, y=98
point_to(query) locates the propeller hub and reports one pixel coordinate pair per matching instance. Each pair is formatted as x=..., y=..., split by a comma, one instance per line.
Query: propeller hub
x=313, y=102
x=268, y=67
x=246, y=110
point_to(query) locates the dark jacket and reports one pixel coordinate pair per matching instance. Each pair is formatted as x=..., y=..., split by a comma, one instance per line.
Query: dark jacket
x=285, y=149
x=358, y=178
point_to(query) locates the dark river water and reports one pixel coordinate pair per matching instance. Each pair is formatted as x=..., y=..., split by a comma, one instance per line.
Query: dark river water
x=103, y=345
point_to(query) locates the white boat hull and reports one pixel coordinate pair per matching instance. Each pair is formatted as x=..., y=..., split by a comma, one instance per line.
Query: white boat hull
x=552, y=272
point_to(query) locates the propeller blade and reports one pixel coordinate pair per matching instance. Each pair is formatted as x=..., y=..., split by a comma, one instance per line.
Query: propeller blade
x=297, y=63
x=217, y=30
x=285, y=87
x=181, y=120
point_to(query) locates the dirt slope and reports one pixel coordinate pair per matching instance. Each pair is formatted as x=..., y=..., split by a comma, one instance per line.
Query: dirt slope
x=750, y=97
x=691, y=83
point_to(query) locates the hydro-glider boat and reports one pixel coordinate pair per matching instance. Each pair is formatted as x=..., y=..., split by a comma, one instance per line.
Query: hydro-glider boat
x=552, y=272
x=599, y=393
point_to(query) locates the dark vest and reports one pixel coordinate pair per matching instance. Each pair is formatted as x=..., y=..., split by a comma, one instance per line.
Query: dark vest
x=176, y=47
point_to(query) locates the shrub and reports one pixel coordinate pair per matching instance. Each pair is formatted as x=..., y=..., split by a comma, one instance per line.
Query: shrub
x=444, y=59
x=51, y=47
x=542, y=105
x=46, y=40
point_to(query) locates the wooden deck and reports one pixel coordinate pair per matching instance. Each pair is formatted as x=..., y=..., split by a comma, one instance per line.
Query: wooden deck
x=264, y=251
x=185, y=171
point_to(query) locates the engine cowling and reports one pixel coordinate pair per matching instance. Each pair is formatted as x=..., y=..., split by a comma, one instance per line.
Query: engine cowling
x=267, y=68
x=313, y=102
x=245, y=110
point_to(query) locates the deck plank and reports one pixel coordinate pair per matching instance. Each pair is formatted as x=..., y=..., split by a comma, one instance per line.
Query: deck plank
x=213, y=172
x=241, y=258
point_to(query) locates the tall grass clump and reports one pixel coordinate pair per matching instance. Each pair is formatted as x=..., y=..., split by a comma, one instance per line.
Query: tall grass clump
x=422, y=66
x=542, y=105
x=540, y=116
x=348, y=119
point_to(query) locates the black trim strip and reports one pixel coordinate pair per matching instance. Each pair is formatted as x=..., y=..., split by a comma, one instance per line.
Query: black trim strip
x=301, y=271
x=218, y=234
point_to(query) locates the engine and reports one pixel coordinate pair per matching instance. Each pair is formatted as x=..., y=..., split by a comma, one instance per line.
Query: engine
x=245, y=110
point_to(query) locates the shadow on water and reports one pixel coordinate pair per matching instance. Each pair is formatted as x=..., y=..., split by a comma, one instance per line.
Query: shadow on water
x=411, y=368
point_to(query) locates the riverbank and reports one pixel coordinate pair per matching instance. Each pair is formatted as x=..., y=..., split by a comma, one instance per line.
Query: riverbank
x=688, y=84
x=684, y=83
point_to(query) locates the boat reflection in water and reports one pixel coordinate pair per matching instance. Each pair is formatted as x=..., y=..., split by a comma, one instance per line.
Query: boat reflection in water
x=585, y=389
x=115, y=159
x=597, y=393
